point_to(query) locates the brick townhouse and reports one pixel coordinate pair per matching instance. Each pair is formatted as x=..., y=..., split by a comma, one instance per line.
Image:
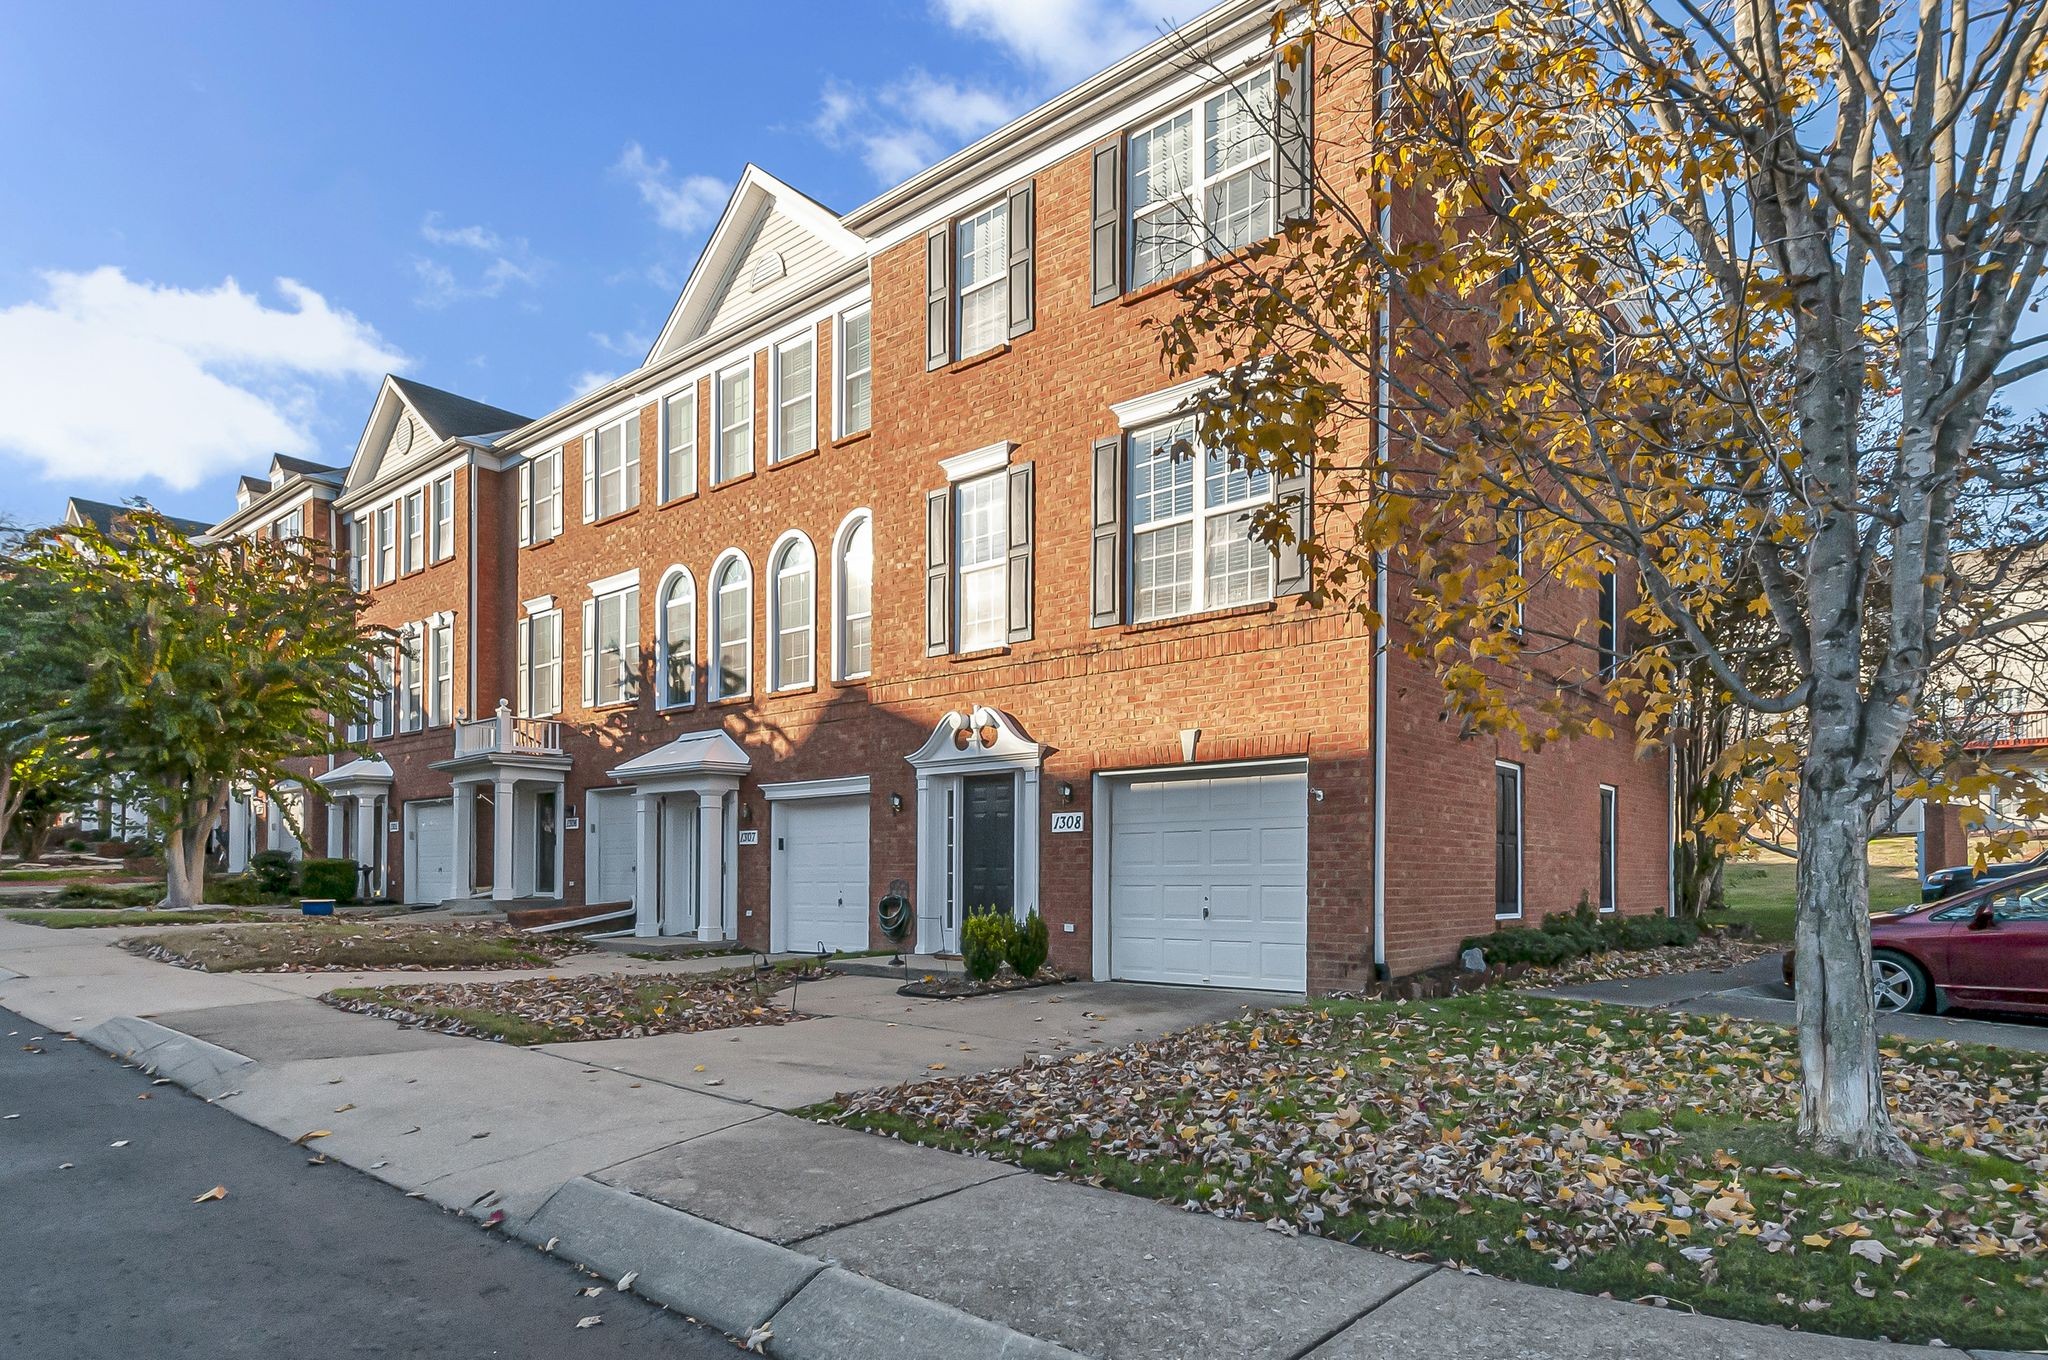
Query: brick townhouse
x=881, y=576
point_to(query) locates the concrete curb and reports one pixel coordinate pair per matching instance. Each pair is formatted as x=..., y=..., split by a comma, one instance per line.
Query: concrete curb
x=813, y=1310
x=206, y=1070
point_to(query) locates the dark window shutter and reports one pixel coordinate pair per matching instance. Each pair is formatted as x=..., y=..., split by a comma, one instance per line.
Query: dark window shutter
x=1294, y=111
x=938, y=569
x=938, y=297
x=1106, y=224
x=1021, y=536
x=1023, y=228
x=1290, y=569
x=1106, y=540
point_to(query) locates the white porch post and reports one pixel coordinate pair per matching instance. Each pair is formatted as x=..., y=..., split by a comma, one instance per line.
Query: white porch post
x=646, y=882
x=711, y=867
x=238, y=833
x=504, y=819
x=367, y=832
x=931, y=880
x=465, y=840
x=337, y=819
x=1026, y=853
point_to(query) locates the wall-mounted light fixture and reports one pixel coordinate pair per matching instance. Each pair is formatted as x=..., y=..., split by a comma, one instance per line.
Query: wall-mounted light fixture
x=746, y=811
x=895, y=802
x=1318, y=794
x=1066, y=792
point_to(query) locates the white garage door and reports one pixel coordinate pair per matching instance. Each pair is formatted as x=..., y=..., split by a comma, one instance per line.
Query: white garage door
x=433, y=852
x=615, y=844
x=1208, y=881
x=821, y=849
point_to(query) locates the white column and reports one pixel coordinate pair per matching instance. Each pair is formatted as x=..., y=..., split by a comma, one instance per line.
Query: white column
x=465, y=839
x=711, y=867
x=504, y=819
x=238, y=833
x=561, y=841
x=931, y=883
x=647, y=913
x=367, y=832
x=336, y=832
x=1027, y=846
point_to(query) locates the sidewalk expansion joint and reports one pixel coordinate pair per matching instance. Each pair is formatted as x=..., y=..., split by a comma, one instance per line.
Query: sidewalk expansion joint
x=912, y=1204
x=661, y=1081
x=1333, y=1333
x=596, y=1172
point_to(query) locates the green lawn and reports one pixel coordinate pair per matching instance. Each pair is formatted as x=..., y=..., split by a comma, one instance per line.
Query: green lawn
x=1761, y=890
x=302, y=945
x=1601, y=1149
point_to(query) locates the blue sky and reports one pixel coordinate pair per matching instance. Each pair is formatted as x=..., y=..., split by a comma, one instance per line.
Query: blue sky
x=224, y=222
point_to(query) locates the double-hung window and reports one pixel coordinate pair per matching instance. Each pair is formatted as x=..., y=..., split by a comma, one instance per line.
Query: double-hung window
x=1507, y=839
x=854, y=592
x=384, y=720
x=794, y=607
x=616, y=473
x=440, y=671
x=415, y=531
x=796, y=398
x=387, y=544
x=982, y=534
x=612, y=648
x=540, y=497
x=732, y=453
x=676, y=641
x=1201, y=180
x=540, y=664
x=442, y=546
x=856, y=363
x=359, y=553
x=412, y=684
x=981, y=266
x=732, y=617
x=679, y=444
x=289, y=526
x=1610, y=625
x=1190, y=514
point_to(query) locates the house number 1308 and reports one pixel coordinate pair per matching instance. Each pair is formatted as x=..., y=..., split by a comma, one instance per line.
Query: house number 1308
x=1067, y=821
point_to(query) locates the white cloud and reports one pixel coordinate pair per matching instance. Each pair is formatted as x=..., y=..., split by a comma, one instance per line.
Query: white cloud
x=627, y=344
x=1063, y=39
x=588, y=381
x=910, y=124
x=680, y=204
x=106, y=378
x=504, y=262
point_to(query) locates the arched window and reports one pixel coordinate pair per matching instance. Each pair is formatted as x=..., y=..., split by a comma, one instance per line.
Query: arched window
x=732, y=612
x=853, y=597
x=676, y=633
x=793, y=613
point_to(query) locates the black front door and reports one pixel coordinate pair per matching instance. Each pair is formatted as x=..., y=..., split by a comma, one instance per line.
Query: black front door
x=988, y=853
x=544, y=842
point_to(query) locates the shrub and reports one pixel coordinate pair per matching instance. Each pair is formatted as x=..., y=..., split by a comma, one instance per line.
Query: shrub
x=275, y=871
x=985, y=942
x=77, y=846
x=1572, y=935
x=328, y=878
x=1029, y=944
x=1520, y=944
x=1656, y=932
x=100, y=897
x=240, y=890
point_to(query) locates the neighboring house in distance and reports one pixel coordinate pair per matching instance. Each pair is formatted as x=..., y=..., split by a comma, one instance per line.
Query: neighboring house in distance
x=882, y=574
x=79, y=512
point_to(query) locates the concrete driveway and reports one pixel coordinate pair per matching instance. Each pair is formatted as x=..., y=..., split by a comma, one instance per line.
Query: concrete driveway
x=1757, y=991
x=862, y=1035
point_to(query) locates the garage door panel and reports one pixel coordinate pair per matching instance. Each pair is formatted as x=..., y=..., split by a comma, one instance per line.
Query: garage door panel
x=615, y=841
x=433, y=850
x=1237, y=846
x=823, y=846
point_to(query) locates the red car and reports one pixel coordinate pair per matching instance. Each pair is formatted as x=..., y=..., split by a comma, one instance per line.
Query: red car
x=1986, y=949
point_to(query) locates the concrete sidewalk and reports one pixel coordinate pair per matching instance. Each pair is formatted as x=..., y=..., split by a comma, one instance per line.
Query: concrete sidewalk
x=818, y=1241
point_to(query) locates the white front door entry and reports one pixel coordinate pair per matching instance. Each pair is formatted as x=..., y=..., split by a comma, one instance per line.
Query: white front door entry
x=614, y=845
x=431, y=850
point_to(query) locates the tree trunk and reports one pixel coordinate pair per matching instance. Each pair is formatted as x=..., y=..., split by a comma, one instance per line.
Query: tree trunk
x=185, y=864
x=1841, y=1110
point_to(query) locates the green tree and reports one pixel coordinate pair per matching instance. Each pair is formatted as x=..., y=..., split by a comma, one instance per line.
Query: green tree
x=35, y=678
x=206, y=666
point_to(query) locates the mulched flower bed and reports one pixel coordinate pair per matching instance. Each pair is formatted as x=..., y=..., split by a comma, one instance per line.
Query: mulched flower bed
x=316, y=946
x=1713, y=952
x=959, y=986
x=1600, y=1148
x=591, y=1006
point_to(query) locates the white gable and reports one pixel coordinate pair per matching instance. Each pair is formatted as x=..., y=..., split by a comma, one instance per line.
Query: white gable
x=394, y=436
x=772, y=244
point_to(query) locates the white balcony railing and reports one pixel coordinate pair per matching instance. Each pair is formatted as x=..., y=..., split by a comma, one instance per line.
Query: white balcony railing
x=504, y=734
x=2025, y=728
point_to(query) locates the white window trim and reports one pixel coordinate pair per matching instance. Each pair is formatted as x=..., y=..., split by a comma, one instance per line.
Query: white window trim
x=1521, y=910
x=667, y=492
x=553, y=615
x=435, y=552
x=714, y=666
x=958, y=301
x=628, y=471
x=1195, y=191
x=664, y=698
x=966, y=467
x=957, y=564
x=776, y=682
x=612, y=585
x=387, y=543
x=840, y=429
x=414, y=515
x=720, y=473
x=1166, y=404
x=839, y=619
x=778, y=400
x=1198, y=517
x=539, y=604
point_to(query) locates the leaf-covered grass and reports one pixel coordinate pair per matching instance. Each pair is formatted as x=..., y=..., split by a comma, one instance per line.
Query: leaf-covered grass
x=300, y=945
x=1602, y=1149
x=555, y=1010
x=58, y=875
x=1762, y=890
x=101, y=917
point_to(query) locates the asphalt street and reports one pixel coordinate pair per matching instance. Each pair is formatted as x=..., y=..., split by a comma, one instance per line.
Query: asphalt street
x=106, y=1256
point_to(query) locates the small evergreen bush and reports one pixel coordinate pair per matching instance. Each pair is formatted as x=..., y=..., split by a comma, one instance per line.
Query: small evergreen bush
x=985, y=942
x=1029, y=944
x=326, y=879
x=99, y=896
x=275, y=871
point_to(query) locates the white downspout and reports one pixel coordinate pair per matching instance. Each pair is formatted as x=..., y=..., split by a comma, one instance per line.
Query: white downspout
x=1380, y=592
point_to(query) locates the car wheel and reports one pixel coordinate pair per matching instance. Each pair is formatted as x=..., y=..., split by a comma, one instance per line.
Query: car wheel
x=1898, y=986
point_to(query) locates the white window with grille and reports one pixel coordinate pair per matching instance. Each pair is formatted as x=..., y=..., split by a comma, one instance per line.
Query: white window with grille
x=796, y=398
x=856, y=363
x=733, y=449
x=1201, y=181
x=1191, y=543
x=981, y=510
x=981, y=264
x=679, y=444
x=794, y=622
